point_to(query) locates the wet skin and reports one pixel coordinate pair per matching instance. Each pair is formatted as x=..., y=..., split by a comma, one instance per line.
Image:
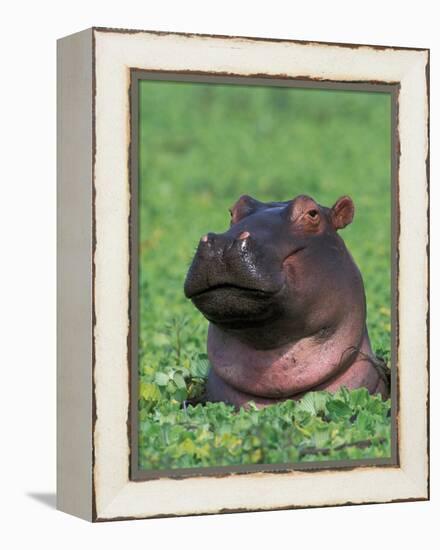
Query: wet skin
x=285, y=302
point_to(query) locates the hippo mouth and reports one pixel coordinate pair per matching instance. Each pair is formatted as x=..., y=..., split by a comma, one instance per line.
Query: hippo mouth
x=231, y=304
x=228, y=287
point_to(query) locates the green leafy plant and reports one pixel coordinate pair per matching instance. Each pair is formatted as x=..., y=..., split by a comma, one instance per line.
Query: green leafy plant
x=321, y=426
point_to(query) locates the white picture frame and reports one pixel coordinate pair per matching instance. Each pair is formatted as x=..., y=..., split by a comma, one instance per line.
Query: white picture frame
x=94, y=216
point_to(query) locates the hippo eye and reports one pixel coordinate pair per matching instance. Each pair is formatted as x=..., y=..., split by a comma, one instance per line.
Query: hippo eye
x=313, y=218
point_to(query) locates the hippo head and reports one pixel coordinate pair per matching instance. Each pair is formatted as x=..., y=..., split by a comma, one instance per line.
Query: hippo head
x=278, y=260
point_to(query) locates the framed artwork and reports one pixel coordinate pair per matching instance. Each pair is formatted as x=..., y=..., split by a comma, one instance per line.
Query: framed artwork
x=243, y=253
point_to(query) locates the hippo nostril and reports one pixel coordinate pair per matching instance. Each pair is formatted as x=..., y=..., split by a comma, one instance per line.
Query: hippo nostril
x=244, y=235
x=209, y=238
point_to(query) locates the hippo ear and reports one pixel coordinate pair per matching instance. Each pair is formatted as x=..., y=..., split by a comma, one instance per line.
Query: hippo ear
x=342, y=212
x=243, y=207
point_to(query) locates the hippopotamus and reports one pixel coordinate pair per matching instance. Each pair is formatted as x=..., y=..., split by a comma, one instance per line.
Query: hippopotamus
x=285, y=303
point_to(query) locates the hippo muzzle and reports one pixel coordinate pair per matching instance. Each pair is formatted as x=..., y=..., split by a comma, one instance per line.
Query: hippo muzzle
x=235, y=276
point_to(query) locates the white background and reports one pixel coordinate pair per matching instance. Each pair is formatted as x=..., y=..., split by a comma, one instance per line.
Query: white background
x=27, y=272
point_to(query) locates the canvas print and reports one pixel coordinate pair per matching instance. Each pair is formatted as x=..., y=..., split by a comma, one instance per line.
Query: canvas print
x=264, y=276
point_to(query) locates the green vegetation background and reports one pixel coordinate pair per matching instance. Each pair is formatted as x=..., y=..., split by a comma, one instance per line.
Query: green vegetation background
x=201, y=147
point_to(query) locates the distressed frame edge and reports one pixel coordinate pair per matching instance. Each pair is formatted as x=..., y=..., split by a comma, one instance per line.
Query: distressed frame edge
x=75, y=123
x=352, y=45
x=423, y=491
x=428, y=268
x=227, y=511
